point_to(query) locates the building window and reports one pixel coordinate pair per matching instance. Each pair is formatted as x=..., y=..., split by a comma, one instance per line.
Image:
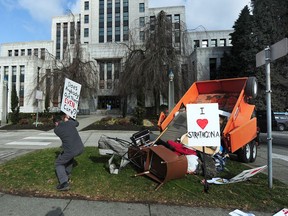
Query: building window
x=125, y=20
x=204, y=43
x=117, y=6
x=213, y=68
x=14, y=74
x=86, y=32
x=109, y=6
x=6, y=73
x=125, y=33
x=72, y=32
x=141, y=7
x=109, y=71
x=16, y=52
x=142, y=21
x=117, y=67
x=177, y=37
x=142, y=36
x=35, y=52
x=196, y=43
x=101, y=35
x=86, y=18
x=109, y=20
x=78, y=30
x=125, y=5
x=22, y=52
x=42, y=53
x=9, y=52
x=222, y=42
x=117, y=19
x=102, y=70
x=177, y=21
x=22, y=73
x=117, y=33
x=213, y=43
x=86, y=5
x=152, y=23
x=58, y=40
x=65, y=36
x=101, y=21
x=21, y=94
x=58, y=54
x=109, y=34
x=29, y=52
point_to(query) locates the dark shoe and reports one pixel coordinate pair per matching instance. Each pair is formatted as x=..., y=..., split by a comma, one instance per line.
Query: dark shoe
x=63, y=187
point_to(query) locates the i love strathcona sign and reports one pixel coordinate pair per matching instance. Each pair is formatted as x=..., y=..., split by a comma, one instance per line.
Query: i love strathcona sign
x=203, y=124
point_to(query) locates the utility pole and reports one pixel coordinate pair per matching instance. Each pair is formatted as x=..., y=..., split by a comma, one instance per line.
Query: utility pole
x=266, y=56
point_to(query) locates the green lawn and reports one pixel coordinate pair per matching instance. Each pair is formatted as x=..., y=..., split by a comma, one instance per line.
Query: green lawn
x=33, y=174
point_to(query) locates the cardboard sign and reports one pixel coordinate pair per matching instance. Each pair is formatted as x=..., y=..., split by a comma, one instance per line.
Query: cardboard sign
x=243, y=176
x=283, y=212
x=203, y=125
x=70, y=98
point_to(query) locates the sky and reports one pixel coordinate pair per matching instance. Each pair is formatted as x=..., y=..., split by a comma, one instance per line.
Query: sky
x=30, y=20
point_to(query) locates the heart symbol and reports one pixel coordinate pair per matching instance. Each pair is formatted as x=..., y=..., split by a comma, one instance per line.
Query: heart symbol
x=202, y=123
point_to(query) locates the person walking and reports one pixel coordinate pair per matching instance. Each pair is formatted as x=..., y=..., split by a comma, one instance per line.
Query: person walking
x=65, y=129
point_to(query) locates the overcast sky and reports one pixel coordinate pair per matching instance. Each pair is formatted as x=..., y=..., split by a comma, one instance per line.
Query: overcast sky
x=29, y=20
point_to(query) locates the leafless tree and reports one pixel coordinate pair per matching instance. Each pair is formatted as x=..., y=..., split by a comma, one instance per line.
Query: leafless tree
x=147, y=66
x=75, y=66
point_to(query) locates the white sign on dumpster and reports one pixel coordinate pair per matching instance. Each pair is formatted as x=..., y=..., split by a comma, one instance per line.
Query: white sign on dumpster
x=70, y=98
x=203, y=124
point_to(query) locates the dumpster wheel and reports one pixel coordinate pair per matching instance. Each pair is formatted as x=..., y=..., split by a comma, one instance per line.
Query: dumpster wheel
x=248, y=153
x=251, y=89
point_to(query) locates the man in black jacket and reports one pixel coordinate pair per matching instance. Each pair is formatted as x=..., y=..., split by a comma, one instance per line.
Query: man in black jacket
x=72, y=146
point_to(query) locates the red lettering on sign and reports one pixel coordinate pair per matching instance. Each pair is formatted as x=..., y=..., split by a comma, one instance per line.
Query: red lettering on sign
x=69, y=102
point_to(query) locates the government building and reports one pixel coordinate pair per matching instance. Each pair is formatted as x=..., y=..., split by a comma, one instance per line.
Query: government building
x=104, y=28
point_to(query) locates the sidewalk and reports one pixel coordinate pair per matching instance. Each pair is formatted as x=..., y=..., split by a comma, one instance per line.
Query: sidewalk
x=33, y=206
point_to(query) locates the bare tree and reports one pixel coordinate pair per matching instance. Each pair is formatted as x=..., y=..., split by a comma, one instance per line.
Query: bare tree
x=146, y=67
x=75, y=66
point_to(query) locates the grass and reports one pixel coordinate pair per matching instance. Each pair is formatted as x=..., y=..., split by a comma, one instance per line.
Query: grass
x=33, y=175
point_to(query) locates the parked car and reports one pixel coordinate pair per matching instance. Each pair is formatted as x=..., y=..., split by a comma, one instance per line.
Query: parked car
x=262, y=121
x=282, y=120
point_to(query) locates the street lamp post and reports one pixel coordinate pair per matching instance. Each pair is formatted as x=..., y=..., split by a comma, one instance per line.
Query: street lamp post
x=171, y=91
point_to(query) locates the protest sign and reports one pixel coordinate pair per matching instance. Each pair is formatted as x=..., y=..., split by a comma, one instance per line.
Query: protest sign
x=70, y=98
x=283, y=212
x=203, y=124
x=243, y=176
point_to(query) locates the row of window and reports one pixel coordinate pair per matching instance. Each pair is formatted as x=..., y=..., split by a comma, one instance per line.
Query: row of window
x=28, y=52
x=211, y=43
x=117, y=19
x=176, y=21
x=74, y=33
